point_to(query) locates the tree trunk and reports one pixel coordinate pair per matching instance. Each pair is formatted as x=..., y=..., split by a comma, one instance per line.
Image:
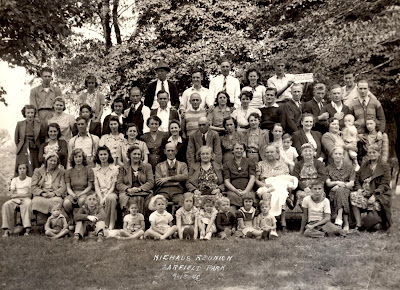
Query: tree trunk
x=115, y=21
x=104, y=7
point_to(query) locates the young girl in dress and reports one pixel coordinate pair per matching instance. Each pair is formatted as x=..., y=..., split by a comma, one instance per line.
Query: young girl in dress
x=161, y=221
x=266, y=221
x=133, y=224
x=246, y=218
x=186, y=218
x=206, y=219
x=20, y=193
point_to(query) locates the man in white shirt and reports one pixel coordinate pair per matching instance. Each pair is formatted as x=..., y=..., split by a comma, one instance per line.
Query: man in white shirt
x=163, y=112
x=225, y=82
x=84, y=140
x=206, y=98
x=137, y=113
x=281, y=81
x=350, y=89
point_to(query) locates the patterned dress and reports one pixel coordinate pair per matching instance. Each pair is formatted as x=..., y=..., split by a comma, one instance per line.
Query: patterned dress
x=340, y=197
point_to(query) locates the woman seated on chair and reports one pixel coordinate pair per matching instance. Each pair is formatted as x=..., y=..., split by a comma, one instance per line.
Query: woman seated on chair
x=372, y=187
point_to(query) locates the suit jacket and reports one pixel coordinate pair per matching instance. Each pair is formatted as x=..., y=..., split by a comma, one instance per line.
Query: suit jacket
x=299, y=138
x=57, y=185
x=62, y=152
x=39, y=130
x=94, y=129
x=173, y=114
x=196, y=141
x=312, y=108
x=151, y=91
x=293, y=116
x=181, y=173
x=145, y=177
x=331, y=110
x=181, y=149
x=263, y=140
x=193, y=182
x=106, y=129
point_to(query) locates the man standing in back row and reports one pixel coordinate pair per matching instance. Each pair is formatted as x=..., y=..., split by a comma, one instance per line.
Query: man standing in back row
x=226, y=82
x=42, y=96
x=150, y=99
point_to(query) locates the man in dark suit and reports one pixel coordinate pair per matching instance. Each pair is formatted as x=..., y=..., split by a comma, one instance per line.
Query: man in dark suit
x=272, y=113
x=293, y=109
x=161, y=83
x=163, y=112
x=203, y=136
x=314, y=107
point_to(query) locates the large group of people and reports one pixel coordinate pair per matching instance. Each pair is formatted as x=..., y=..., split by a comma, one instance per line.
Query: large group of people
x=215, y=162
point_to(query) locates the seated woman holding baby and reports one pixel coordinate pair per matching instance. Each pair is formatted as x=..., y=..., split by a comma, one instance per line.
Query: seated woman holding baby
x=274, y=182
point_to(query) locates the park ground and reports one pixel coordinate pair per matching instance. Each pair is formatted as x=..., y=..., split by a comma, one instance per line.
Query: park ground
x=359, y=261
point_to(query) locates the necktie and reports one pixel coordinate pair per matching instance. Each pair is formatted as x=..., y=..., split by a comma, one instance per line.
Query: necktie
x=320, y=105
x=364, y=104
x=162, y=86
x=204, y=139
x=224, y=85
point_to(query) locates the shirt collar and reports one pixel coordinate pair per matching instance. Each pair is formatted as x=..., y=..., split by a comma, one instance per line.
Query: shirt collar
x=171, y=162
x=86, y=135
x=275, y=105
x=166, y=109
x=171, y=140
x=252, y=209
x=50, y=88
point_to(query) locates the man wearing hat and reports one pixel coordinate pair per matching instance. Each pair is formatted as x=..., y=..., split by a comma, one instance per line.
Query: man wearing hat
x=42, y=96
x=161, y=83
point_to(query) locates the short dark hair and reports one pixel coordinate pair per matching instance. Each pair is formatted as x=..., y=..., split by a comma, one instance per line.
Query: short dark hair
x=227, y=119
x=317, y=182
x=162, y=92
x=175, y=121
x=154, y=118
x=130, y=125
x=80, y=118
x=26, y=107
x=86, y=106
x=255, y=115
x=119, y=100
x=54, y=125
x=21, y=163
x=198, y=70
x=96, y=84
x=46, y=69
x=272, y=89
x=103, y=148
x=336, y=86
x=228, y=102
x=114, y=118
x=247, y=94
x=250, y=70
x=241, y=144
x=74, y=153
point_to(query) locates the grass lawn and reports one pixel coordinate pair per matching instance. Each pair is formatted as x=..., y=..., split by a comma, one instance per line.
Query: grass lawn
x=364, y=261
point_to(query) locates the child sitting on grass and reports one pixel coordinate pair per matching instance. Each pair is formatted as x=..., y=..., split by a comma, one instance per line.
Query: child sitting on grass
x=265, y=221
x=226, y=221
x=316, y=220
x=161, y=221
x=206, y=219
x=20, y=193
x=186, y=218
x=133, y=224
x=90, y=217
x=246, y=218
x=56, y=226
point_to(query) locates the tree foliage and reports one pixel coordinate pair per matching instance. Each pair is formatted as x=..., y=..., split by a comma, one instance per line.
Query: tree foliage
x=33, y=29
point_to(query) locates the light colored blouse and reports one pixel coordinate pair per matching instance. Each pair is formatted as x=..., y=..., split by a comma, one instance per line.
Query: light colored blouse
x=114, y=143
x=66, y=123
x=241, y=115
x=104, y=178
x=258, y=96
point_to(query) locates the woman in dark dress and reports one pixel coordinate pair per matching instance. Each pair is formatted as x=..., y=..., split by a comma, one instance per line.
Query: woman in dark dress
x=175, y=137
x=54, y=145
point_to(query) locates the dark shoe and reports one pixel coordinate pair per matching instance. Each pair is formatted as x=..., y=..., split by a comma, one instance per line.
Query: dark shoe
x=188, y=234
x=265, y=235
x=249, y=235
x=284, y=229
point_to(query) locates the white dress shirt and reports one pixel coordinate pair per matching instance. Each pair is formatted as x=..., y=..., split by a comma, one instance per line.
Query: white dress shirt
x=206, y=98
x=156, y=105
x=232, y=88
x=279, y=83
x=164, y=116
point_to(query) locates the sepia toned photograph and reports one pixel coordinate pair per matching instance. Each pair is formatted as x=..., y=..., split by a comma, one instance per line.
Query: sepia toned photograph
x=199, y=144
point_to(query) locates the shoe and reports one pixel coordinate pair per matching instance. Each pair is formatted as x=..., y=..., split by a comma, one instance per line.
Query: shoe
x=208, y=236
x=338, y=222
x=100, y=239
x=265, y=235
x=188, y=234
x=249, y=235
x=7, y=233
x=346, y=228
x=284, y=229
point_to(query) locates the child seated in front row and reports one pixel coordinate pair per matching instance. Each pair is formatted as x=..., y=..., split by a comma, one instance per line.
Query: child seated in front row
x=90, y=217
x=316, y=220
x=206, y=219
x=56, y=226
x=246, y=218
x=133, y=224
x=186, y=220
x=226, y=221
x=161, y=221
x=266, y=221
